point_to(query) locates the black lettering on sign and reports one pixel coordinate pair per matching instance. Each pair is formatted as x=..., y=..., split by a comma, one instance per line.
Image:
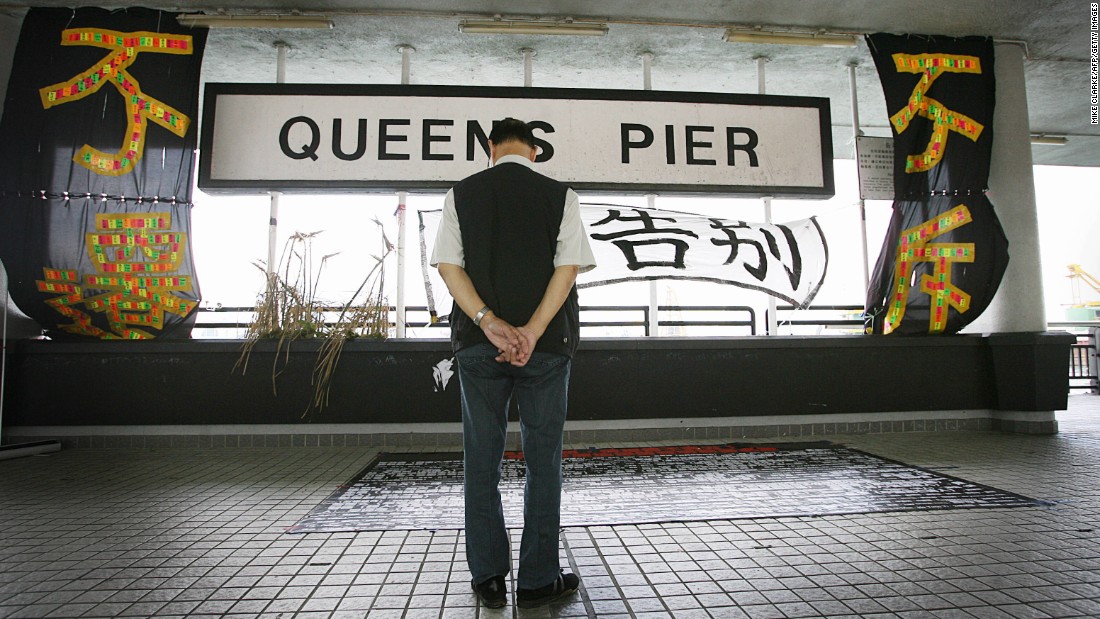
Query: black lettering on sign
x=308, y=150
x=751, y=141
x=670, y=144
x=384, y=138
x=625, y=130
x=429, y=137
x=697, y=140
x=436, y=139
x=689, y=140
x=546, y=149
x=475, y=135
x=337, y=136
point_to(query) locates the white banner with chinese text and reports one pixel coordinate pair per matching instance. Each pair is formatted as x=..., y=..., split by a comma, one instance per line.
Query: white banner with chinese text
x=787, y=261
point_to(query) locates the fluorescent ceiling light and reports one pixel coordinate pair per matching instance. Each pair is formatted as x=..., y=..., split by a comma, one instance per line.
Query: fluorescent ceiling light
x=1052, y=140
x=514, y=26
x=819, y=39
x=255, y=21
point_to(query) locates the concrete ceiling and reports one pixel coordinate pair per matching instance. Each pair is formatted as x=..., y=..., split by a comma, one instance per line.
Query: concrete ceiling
x=685, y=37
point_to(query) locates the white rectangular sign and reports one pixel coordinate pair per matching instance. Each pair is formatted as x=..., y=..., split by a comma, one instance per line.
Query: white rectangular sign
x=876, y=167
x=309, y=137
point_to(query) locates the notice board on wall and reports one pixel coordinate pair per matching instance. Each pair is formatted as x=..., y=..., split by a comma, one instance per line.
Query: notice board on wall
x=875, y=161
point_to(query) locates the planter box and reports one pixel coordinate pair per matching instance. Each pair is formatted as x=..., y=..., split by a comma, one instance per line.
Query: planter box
x=192, y=382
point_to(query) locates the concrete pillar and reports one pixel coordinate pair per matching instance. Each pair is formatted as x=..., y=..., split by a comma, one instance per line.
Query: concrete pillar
x=1018, y=304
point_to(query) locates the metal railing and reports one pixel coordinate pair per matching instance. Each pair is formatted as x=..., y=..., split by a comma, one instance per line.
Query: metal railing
x=818, y=319
x=746, y=319
x=631, y=320
x=1083, y=355
x=218, y=322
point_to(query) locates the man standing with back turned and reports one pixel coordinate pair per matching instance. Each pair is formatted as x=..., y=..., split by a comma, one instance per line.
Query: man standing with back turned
x=510, y=247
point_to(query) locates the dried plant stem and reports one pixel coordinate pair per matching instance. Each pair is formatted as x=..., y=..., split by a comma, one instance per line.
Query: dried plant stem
x=289, y=309
x=369, y=319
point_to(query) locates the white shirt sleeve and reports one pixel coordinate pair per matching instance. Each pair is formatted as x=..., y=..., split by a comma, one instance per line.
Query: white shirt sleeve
x=448, y=239
x=573, y=247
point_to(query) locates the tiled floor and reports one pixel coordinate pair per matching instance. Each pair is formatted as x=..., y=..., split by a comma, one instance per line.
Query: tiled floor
x=200, y=533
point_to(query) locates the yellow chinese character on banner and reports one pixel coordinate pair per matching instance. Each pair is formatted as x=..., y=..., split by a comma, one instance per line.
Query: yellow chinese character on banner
x=66, y=285
x=944, y=119
x=914, y=247
x=136, y=258
x=112, y=69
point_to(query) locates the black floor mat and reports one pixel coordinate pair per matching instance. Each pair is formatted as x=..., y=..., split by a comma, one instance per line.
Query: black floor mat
x=665, y=484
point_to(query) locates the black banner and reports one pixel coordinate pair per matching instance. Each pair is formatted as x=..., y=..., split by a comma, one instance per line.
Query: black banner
x=945, y=251
x=98, y=138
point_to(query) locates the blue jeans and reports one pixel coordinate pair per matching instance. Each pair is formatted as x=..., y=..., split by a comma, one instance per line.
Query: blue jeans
x=541, y=389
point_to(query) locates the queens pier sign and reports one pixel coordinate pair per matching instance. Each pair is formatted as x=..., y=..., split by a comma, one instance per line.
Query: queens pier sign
x=325, y=137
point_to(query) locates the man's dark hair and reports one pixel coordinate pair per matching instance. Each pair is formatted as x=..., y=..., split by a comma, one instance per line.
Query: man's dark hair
x=512, y=129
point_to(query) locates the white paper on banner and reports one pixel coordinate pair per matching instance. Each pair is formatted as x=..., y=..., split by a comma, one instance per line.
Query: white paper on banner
x=787, y=261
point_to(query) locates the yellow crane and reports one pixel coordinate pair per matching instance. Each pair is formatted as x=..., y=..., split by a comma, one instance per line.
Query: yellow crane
x=1076, y=276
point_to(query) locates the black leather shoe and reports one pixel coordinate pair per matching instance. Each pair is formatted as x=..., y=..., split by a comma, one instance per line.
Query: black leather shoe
x=492, y=592
x=564, y=586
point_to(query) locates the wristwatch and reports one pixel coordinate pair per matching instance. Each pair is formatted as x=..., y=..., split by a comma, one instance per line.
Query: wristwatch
x=481, y=314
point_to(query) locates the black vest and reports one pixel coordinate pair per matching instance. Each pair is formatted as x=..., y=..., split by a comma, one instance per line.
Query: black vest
x=509, y=216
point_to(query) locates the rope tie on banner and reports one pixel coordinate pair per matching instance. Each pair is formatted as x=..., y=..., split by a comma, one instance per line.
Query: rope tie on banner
x=66, y=196
x=916, y=195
